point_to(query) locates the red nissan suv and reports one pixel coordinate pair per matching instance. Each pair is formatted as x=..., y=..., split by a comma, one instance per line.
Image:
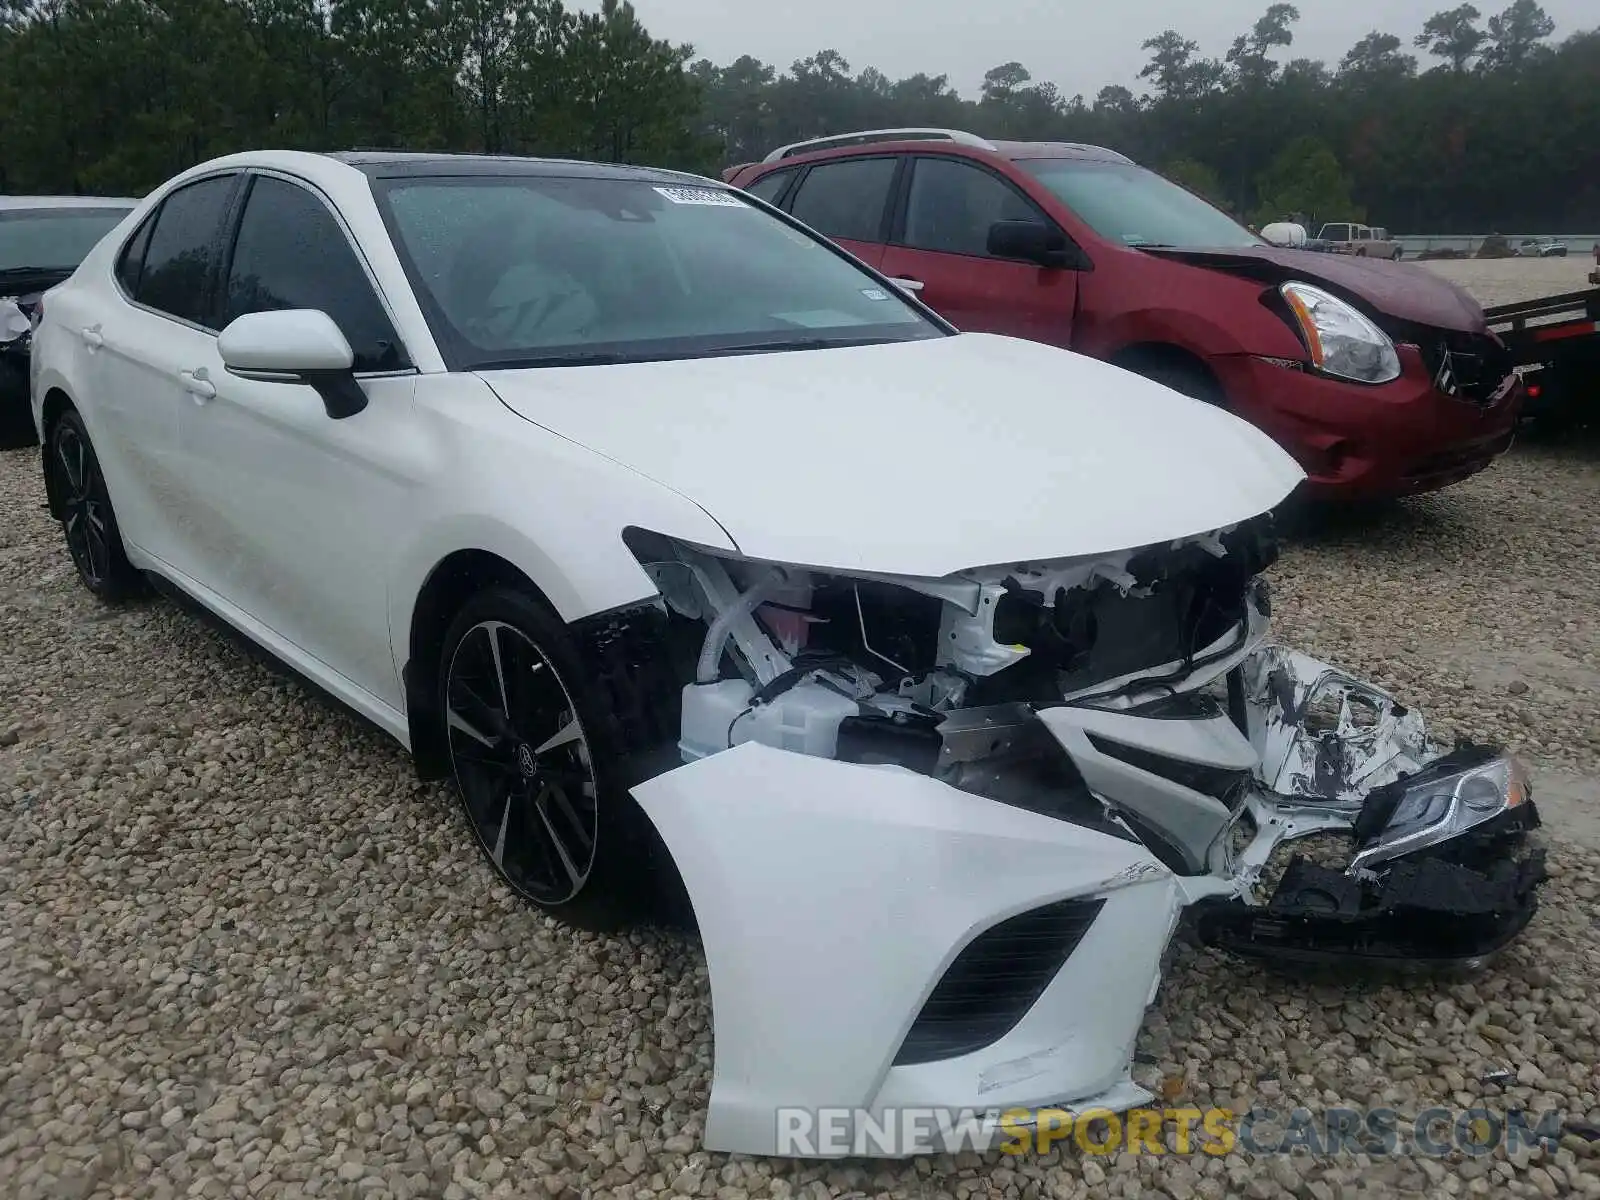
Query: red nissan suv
x=1381, y=378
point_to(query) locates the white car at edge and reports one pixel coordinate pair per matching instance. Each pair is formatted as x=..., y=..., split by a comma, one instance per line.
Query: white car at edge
x=928, y=668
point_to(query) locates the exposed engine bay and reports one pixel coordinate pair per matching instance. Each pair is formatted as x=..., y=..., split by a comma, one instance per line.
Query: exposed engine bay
x=1128, y=709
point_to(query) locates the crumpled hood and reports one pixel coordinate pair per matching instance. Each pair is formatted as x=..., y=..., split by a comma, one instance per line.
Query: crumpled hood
x=917, y=458
x=1401, y=290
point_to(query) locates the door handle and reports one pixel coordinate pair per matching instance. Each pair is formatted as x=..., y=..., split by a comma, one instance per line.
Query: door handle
x=906, y=283
x=91, y=337
x=198, y=385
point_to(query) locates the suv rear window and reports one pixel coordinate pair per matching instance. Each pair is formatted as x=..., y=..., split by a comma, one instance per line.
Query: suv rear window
x=768, y=186
x=846, y=199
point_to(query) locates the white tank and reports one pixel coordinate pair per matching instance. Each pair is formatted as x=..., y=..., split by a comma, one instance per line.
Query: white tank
x=804, y=719
x=1285, y=233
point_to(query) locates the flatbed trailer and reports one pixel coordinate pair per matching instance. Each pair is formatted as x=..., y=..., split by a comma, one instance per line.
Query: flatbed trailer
x=1555, y=343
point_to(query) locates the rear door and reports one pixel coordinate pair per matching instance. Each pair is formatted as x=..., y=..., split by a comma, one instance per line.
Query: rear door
x=940, y=241
x=144, y=346
x=847, y=201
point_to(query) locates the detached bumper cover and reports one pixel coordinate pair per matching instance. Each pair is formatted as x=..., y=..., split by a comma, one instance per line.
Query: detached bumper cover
x=834, y=898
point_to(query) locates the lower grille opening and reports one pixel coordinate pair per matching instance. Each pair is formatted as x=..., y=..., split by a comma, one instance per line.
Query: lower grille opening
x=995, y=980
x=1467, y=366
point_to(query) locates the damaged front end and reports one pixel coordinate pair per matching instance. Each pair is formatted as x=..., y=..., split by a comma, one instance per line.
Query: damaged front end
x=937, y=833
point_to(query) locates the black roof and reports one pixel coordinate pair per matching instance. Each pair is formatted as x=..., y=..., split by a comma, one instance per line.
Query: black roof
x=393, y=164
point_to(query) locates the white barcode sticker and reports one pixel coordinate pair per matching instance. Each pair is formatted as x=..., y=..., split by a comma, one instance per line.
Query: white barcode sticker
x=694, y=195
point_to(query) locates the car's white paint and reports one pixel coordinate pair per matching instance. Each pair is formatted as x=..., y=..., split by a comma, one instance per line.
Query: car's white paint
x=287, y=341
x=878, y=877
x=919, y=458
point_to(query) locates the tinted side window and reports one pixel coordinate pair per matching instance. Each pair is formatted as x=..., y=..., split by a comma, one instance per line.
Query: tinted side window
x=768, y=186
x=291, y=253
x=952, y=204
x=182, y=253
x=845, y=199
x=131, y=262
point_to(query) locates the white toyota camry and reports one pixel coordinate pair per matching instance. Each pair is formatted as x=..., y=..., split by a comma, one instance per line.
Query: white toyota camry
x=926, y=671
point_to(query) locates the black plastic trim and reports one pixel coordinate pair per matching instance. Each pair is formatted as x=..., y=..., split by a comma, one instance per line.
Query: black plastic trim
x=989, y=987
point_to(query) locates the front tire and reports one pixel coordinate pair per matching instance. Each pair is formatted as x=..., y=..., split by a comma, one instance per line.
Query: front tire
x=535, y=756
x=1182, y=377
x=88, y=520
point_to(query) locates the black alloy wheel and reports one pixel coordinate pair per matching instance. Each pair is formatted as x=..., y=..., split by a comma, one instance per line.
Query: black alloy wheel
x=88, y=521
x=534, y=752
x=522, y=763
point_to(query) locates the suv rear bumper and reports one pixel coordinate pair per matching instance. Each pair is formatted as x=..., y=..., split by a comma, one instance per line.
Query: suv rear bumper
x=1357, y=441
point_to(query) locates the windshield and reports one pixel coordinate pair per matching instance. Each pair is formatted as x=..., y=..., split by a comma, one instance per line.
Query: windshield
x=1128, y=204
x=53, y=238
x=538, y=271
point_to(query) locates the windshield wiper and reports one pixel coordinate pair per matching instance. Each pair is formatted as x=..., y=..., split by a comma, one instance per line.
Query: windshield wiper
x=601, y=358
x=818, y=343
x=596, y=359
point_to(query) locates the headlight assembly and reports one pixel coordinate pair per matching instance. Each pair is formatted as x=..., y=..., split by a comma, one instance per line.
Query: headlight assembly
x=1437, y=805
x=1340, y=340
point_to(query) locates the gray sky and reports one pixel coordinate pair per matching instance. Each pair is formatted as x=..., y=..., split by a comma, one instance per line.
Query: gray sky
x=1079, y=46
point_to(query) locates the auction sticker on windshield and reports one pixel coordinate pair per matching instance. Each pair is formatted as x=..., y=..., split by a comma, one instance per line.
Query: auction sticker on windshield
x=690, y=195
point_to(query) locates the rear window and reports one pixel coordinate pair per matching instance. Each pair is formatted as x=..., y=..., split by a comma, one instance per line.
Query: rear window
x=769, y=186
x=53, y=238
x=845, y=199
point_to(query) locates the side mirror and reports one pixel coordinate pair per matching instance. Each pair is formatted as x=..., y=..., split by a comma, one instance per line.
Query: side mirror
x=295, y=345
x=1031, y=241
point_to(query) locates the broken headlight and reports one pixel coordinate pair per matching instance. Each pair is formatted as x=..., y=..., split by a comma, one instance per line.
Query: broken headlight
x=1451, y=797
x=14, y=322
x=1340, y=340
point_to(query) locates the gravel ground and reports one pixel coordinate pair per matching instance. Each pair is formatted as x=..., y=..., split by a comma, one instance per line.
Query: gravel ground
x=244, y=953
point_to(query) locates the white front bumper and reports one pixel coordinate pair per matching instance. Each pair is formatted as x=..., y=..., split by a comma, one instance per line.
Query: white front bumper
x=831, y=897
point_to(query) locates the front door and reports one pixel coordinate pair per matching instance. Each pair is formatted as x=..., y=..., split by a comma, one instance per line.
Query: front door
x=942, y=243
x=298, y=510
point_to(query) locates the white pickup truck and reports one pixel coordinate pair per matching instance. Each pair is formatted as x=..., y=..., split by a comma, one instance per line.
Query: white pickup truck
x=1364, y=241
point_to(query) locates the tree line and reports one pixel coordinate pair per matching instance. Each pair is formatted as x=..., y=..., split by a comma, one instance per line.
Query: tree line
x=1490, y=124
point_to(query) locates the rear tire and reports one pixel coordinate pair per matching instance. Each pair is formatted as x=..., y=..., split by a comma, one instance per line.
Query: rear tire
x=88, y=520
x=535, y=755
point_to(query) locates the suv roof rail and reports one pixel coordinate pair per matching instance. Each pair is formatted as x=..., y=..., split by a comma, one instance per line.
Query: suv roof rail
x=867, y=136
